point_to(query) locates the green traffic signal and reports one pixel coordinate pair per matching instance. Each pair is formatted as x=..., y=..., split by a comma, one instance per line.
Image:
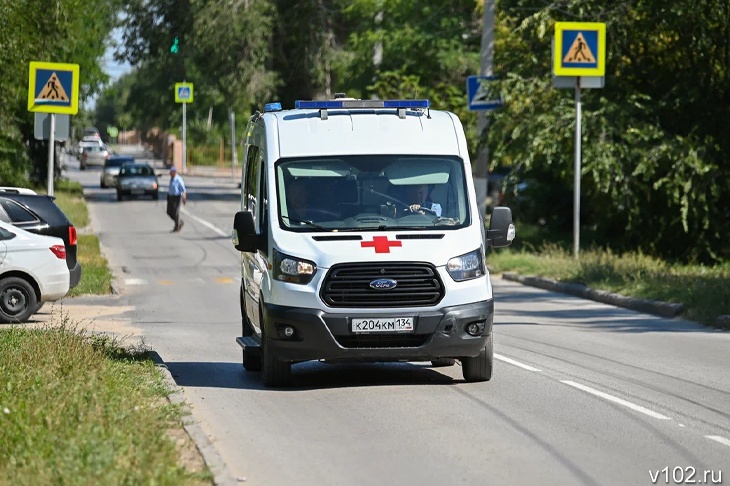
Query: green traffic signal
x=174, y=47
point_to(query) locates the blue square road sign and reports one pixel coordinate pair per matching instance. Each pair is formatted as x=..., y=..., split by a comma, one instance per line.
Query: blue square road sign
x=481, y=93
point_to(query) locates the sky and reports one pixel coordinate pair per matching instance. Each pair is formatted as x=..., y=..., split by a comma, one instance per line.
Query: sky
x=113, y=68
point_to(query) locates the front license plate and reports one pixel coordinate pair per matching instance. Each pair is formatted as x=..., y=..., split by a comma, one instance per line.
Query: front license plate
x=137, y=191
x=383, y=324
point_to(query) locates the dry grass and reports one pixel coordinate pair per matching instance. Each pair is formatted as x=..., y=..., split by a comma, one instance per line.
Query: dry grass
x=76, y=408
x=705, y=291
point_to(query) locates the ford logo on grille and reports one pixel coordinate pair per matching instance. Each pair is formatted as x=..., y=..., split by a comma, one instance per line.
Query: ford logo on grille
x=383, y=283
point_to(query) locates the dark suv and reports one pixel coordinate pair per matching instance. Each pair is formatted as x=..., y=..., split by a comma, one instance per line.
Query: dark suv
x=38, y=213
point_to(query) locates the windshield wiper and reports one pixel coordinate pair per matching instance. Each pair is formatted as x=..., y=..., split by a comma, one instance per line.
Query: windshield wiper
x=398, y=228
x=310, y=223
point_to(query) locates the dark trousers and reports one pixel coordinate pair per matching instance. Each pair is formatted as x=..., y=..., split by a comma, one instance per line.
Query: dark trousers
x=173, y=209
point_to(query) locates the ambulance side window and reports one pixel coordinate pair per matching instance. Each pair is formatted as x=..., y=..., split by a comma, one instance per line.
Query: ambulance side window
x=252, y=181
x=264, y=210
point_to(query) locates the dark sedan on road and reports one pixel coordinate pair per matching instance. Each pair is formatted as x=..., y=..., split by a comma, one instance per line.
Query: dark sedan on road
x=111, y=169
x=137, y=180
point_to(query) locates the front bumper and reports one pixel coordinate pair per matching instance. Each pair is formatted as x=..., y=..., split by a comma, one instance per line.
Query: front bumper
x=137, y=191
x=322, y=335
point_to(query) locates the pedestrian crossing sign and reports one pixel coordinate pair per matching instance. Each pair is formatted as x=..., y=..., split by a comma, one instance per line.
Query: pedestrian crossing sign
x=53, y=88
x=184, y=93
x=580, y=49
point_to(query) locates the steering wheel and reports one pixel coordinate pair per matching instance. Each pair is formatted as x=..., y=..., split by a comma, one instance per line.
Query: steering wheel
x=422, y=208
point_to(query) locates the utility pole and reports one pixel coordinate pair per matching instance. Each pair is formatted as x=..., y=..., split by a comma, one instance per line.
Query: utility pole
x=481, y=167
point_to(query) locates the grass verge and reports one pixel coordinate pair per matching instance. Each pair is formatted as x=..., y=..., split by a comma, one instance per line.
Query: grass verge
x=96, y=278
x=704, y=291
x=77, y=408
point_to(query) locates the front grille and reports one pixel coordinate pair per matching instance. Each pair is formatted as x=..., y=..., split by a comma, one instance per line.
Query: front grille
x=348, y=285
x=382, y=340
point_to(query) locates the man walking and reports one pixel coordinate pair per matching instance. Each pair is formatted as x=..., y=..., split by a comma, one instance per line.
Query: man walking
x=176, y=194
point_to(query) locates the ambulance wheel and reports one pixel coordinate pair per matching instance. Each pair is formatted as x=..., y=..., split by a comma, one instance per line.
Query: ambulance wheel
x=441, y=362
x=251, y=360
x=275, y=373
x=479, y=368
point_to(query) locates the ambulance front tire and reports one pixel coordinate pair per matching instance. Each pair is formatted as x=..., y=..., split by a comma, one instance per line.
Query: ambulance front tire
x=479, y=368
x=274, y=372
x=252, y=358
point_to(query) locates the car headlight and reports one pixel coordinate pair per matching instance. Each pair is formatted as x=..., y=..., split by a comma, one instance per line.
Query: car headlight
x=467, y=267
x=293, y=270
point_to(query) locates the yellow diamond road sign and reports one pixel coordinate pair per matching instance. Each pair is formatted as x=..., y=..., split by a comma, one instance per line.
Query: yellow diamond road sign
x=53, y=88
x=580, y=49
x=183, y=92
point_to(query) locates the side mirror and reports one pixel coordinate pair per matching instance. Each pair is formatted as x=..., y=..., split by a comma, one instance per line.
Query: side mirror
x=244, y=232
x=501, y=230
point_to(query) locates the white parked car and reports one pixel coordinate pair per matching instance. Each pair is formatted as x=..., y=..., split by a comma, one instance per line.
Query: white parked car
x=18, y=190
x=33, y=271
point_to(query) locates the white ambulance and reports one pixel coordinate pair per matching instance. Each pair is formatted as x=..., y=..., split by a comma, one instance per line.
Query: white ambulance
x=361, y=239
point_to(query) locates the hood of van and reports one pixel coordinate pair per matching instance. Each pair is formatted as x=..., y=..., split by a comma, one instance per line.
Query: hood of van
x=328, y=249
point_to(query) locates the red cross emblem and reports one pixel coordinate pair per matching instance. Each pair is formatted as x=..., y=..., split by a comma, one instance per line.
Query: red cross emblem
x=381, y=244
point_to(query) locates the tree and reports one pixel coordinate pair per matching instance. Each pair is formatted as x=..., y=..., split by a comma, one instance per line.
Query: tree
x=652, y=162
x=30, y=31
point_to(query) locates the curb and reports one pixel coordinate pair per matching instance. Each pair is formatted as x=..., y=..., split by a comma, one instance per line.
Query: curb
x=221, y=476
x=656, y=307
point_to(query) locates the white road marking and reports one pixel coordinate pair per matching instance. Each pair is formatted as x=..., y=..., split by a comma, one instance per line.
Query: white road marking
x=135, y=281
x=516, y=363
x=205, y=223
x=620, y=401
x=721, y=440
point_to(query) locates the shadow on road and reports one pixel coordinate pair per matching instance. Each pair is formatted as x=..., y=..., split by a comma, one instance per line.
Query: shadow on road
x=310, y=376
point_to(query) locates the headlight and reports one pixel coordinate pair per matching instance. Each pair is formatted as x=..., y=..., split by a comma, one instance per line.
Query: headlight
x=467, y=267
x=294, y=270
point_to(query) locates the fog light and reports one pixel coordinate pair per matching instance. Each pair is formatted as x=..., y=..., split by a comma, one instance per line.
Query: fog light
x=288, y=331
x=475, y=328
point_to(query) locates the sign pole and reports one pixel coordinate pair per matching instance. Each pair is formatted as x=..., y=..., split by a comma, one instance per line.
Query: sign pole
x=486, y=55
x=51, y=153
x=184, y=147
x=576, y=180
x=184, y=95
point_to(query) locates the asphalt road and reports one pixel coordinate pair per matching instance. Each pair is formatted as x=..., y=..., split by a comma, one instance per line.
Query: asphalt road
x=583, y=393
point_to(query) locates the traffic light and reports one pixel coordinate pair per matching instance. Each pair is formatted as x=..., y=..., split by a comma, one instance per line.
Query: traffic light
x=175, y=48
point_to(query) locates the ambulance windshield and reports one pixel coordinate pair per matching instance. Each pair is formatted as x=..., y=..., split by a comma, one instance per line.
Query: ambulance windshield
x=372, y=192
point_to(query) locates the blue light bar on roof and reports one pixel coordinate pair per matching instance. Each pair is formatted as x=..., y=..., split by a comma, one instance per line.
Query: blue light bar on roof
x=272, y=107
x=333, y=104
